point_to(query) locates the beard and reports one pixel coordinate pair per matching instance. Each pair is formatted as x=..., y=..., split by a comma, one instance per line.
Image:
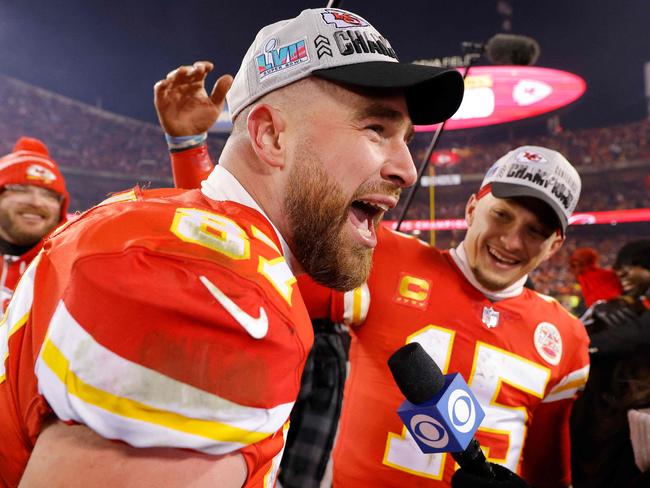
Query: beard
x=21, y=235
x=489, y=283
x=317, y=211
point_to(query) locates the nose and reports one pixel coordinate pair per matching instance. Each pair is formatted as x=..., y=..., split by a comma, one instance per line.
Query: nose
x=36, y=198
x=512, y=238
x=399, y=168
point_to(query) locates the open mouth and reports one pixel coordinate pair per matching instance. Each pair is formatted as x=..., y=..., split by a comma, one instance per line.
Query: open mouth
x=364, y=217
x=501, y=259
x=32, y=217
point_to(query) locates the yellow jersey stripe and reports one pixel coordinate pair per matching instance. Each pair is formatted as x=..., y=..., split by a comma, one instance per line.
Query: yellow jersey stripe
x=125, y=407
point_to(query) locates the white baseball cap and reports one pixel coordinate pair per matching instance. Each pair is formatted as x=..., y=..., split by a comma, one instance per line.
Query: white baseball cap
x=539, y=172
x=340, y=46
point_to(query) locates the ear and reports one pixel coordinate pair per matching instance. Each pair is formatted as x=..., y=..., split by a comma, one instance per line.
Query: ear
x=470, y=209
x=558, y=240
x=265, y=126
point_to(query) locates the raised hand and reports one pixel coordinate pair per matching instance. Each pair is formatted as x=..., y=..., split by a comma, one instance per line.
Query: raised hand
x=182, y=103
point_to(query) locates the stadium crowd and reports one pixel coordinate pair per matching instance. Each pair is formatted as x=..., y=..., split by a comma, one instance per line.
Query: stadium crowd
x=84, y=137
x=594, y=147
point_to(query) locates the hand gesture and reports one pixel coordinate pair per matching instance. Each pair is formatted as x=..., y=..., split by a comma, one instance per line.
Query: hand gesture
x=613, y=313
x=182, y=103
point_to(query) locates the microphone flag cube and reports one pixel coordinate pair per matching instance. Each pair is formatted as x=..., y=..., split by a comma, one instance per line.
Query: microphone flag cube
x=448, y=421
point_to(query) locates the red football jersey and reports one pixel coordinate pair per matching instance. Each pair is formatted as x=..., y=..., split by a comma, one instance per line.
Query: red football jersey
x=159, y=318
x=12, y=269
x=523, y=357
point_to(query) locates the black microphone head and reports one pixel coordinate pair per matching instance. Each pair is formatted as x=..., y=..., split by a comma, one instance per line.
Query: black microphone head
x=417, y=375
x=510, y=49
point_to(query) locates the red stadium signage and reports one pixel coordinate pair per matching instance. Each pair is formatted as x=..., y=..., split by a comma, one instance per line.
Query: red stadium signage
x=498, y=94
x=611, y=217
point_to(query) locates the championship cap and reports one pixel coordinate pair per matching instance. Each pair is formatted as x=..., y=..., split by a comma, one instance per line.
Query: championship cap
x=30, y=164
x=532, y=171
x=340, y=46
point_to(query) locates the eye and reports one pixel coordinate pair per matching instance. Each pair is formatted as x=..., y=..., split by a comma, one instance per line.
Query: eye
x=379, y=129
x=540, y=233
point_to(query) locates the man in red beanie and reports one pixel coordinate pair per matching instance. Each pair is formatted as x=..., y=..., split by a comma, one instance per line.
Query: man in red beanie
x=33, y=201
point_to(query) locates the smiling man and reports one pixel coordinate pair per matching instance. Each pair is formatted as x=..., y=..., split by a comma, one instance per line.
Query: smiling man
x=33, y=201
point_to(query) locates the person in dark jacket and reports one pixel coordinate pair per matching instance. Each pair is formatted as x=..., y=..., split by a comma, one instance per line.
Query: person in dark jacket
x=619, y=379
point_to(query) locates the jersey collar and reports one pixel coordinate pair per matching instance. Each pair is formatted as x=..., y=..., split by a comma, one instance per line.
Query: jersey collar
x=221, y=185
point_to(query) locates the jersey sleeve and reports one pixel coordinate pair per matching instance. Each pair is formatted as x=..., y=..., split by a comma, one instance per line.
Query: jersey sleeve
x=191, y=166
x=353, y=305
x=349, y=307
x=161, y=350
x=547, y=452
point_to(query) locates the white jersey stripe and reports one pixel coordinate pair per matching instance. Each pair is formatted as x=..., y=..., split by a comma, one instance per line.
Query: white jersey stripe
x=356, y=304
x=569, y=385
x=135, y=432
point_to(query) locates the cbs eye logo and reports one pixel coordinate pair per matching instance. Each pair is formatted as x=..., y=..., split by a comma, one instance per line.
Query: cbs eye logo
x=429, y=431
x=461, y=411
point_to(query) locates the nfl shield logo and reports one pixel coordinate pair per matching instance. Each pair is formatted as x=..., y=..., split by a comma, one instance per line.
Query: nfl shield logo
x=490, y=317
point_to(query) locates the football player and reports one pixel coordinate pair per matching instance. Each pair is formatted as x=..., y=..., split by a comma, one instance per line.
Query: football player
x=522, y=354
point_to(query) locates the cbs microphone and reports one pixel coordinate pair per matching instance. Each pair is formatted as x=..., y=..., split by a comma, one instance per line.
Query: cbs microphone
x=440, y=412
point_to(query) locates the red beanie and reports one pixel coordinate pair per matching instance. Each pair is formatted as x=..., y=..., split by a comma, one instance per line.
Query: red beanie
x=585, y=256
x=30, y=164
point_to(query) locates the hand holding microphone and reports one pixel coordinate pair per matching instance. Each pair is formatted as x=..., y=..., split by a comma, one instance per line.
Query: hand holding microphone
x=503, y=478
x=442, y=415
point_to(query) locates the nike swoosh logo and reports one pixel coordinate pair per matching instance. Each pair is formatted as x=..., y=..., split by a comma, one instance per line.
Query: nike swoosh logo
x=256, y=327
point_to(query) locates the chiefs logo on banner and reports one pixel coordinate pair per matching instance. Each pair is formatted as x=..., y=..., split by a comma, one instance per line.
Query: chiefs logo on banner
x=498, y=94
